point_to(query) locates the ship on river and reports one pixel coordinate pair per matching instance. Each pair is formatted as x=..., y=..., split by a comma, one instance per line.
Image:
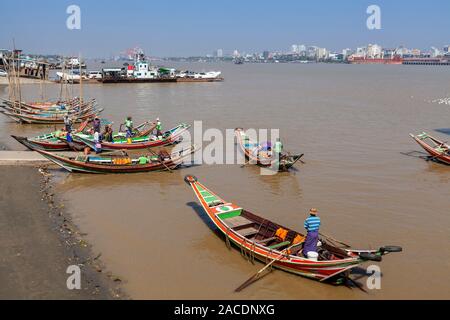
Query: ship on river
x=369, y=60
x=142, y=71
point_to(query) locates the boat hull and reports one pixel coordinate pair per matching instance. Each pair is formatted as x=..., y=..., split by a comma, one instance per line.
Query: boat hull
x=76, y=166
x=326, y=270
x=439, y=156
x=42, y=145
x=175, y=134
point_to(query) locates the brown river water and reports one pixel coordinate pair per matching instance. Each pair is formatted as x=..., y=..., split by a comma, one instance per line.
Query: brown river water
x=352, y=123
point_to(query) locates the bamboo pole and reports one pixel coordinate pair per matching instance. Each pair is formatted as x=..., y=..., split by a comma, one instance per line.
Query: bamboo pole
x=81, y=81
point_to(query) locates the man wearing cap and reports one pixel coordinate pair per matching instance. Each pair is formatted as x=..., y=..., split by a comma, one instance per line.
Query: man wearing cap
x=312, y=225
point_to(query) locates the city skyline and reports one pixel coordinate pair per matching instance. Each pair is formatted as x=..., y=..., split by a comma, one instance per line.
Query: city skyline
x=201, y=27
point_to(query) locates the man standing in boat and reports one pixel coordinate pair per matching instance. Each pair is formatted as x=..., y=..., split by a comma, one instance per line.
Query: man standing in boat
x=68, y=123
x=278, y=149
x=158, y=128
x=129, y=126
x=312, y=225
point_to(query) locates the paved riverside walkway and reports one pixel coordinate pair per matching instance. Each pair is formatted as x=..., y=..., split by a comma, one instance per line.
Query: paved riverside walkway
x=21, y=158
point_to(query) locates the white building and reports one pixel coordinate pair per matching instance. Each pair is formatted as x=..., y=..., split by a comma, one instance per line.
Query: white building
x=322, y=53
x=219, y=53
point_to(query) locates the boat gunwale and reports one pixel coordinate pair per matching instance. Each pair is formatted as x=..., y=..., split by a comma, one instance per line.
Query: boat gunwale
x=266, y=252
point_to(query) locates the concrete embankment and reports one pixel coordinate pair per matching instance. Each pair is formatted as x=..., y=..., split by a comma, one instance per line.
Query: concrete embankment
x=11, y=158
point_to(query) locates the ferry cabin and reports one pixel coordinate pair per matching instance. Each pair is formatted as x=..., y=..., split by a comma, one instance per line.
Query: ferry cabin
x=142, y=70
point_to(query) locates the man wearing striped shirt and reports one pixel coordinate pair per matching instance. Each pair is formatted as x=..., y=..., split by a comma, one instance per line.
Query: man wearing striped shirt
x=312, y=225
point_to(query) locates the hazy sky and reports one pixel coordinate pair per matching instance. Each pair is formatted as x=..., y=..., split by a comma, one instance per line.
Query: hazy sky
x=197, y=27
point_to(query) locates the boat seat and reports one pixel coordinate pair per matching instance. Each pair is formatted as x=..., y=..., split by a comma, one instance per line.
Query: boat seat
x=280, y=245
x=214, y=203
x=247, y=232
x=264, y=241
x=237, y=221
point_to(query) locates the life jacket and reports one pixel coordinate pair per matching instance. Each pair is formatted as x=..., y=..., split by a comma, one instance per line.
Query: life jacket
x=298, y=239
x=281, y=234
x=121, y=161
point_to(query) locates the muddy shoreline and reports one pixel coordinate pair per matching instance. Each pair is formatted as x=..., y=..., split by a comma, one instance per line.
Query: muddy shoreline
x=39, y=242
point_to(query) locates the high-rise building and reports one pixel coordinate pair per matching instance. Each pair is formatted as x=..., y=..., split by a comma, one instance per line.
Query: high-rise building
x=266, y=55
x=294, y=48
x=311, y=52
x=219, y=53
x=322, y=53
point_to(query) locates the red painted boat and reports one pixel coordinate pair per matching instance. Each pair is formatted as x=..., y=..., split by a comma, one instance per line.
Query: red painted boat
x=122, y=163
x=267, y=241
x=438, y=150
x=50, y=142
x=137, y=143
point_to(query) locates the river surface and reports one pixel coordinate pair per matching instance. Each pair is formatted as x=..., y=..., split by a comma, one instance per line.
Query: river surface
x=352, y=124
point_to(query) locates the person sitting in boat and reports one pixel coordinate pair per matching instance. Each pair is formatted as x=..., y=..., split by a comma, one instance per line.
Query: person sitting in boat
x=144, y=160
x=158, y=128
x=312, y=225
x=108, y=134
x=97, y=125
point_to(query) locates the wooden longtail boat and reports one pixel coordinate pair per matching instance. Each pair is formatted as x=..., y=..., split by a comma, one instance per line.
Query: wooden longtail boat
x=257, y=238
x=50, y=142
x=137, y=143
x=57, y=105
x=438, y=150
x=73, y=111
x=29, y=119
x=253, y=153
x=119, y=164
